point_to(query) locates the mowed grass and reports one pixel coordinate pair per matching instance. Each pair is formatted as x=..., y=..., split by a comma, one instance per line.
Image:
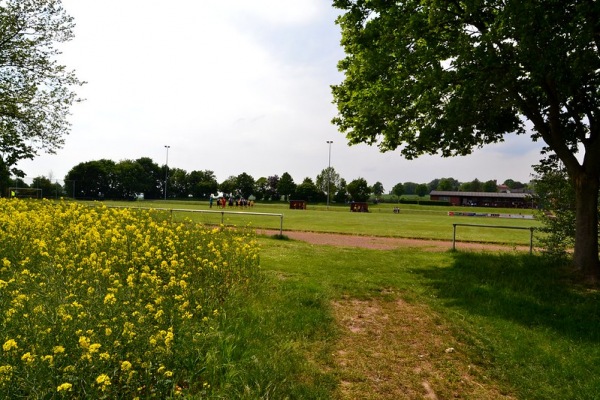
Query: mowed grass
x=347, y=323
x=419, y=222
x=491, y=326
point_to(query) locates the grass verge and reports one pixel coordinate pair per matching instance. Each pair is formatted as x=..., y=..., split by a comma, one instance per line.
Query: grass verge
x=403, y=324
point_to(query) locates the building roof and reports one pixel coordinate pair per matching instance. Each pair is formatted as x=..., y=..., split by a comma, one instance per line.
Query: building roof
x=480, y=194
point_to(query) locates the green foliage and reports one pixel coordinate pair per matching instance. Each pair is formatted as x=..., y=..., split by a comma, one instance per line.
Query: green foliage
x=113, y=303
x=328, y=180
x=378, y=189
x=50, y=190
x=359, y=190
x=556, y=198
x=398, y=189
x=202, y=183
x=244, y=185
x=448, y=77
x=286, y=185
x=490, y=186
x=308, y=191
x=93, y=179
x=36, y=91
x=448, y=184
x=422, y=190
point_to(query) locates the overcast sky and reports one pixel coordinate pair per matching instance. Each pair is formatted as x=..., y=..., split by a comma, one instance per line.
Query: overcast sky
x=231, y=86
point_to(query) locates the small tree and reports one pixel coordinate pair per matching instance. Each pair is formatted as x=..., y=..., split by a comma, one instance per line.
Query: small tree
x=359, y=190
x=308, y=191
x=245, y=185
x=378, y=189
x=490, y=186
x=286, y=186
x=556, y=198
x=422, y=190
x=398, y=190
x=328, y=181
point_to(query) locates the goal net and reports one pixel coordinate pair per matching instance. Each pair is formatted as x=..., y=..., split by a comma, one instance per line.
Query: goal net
x=24, y=193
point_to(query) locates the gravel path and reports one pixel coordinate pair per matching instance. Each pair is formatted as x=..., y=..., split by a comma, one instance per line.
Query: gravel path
x=387, y=243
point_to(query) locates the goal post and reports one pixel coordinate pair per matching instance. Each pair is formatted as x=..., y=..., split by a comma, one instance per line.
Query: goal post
x=24, y=193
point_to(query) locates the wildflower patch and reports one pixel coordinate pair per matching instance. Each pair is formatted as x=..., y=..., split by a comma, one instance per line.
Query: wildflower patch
x=111, y=302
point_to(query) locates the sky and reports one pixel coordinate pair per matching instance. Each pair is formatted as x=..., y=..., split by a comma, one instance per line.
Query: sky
x=231, y=86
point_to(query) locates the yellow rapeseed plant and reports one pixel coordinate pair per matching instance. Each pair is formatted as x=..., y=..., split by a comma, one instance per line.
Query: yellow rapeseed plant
x=110, y=302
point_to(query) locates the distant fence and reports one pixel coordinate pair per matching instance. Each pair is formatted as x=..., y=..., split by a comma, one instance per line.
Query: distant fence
x=185, y=210
x=530, y=229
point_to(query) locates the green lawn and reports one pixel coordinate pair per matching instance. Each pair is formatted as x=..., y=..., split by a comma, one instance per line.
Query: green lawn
x=413, y=221
x=520, y=326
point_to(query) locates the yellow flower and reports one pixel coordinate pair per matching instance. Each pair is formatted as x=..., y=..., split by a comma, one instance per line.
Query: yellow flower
x=84, y=342
x=65, y=387
x=9, y=345
x=94, y=347
x=110, y=299
x=48, y=358
x=125, y=365
x=103, y=380
x=58, y=349
x=5, y=372
x=28, y=357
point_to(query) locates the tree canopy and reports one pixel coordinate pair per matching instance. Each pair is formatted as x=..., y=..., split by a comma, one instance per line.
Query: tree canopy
x=446, y=77
x=36, y=92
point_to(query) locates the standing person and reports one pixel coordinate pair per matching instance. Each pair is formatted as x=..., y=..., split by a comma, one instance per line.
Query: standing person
x=210, y=201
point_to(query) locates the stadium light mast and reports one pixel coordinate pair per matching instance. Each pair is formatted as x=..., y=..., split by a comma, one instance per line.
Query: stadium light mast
x=329, y=142
x=166, y=170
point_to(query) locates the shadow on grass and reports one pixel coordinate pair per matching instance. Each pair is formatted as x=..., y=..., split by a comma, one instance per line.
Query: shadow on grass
x=524, y=289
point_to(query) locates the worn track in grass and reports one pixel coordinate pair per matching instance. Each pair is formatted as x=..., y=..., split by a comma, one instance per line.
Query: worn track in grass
x=388, y=243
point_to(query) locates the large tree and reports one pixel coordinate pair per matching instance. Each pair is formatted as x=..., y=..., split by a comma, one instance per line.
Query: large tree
x=202, y=183
x=445, y=77
x=36, y=91
x=92, y=179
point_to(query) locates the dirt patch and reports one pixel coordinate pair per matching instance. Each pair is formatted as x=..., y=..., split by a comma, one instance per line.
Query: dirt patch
x=388, y=243
x=397, y=350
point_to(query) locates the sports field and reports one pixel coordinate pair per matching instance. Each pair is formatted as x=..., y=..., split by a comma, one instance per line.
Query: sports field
x=419, y=222
x=204, y=312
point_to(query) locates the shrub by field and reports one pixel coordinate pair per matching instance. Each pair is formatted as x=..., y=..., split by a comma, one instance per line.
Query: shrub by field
x=111, y=303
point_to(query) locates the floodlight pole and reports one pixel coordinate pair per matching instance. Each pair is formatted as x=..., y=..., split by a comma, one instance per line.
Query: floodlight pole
x=166, y=170
x=329, y=142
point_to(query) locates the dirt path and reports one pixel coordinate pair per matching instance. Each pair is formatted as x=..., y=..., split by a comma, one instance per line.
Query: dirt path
x=388, y=243
x=394, y=350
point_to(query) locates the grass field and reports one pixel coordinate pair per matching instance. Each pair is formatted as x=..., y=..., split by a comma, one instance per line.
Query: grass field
x=348, y=323
x=413, y=221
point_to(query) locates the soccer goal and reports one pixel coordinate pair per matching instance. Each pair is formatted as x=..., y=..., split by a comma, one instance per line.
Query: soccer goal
x=24, y=193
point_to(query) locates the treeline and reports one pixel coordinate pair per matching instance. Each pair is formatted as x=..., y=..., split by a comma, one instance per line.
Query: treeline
x=131, y=179
x=451, y=184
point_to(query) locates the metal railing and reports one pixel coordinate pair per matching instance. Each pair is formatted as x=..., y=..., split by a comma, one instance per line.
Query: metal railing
x=530, y=229
x=222, y=212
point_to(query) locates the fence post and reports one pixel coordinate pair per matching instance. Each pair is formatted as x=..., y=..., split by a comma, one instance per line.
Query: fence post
x=454, y=238
x=531, y=241
x=281, y=225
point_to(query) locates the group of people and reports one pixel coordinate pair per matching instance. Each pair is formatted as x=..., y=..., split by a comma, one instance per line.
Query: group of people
x=222, y=202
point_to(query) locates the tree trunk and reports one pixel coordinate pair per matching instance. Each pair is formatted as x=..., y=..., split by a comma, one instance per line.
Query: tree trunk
x=585, y=256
